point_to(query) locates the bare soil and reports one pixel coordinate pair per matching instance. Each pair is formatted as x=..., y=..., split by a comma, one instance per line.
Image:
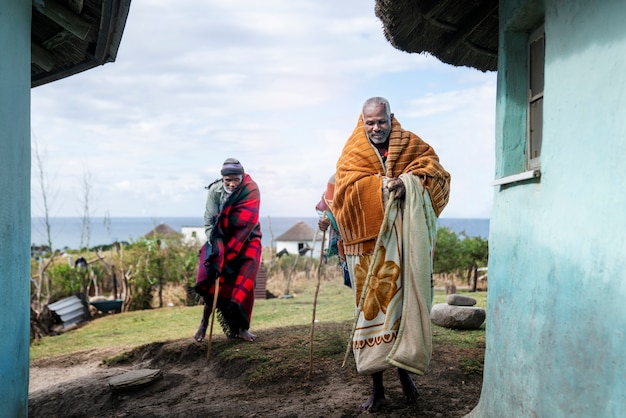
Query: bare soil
x=77, y=385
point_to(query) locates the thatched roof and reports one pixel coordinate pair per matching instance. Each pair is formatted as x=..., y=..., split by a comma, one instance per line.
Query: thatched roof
x=162, y=231
x=300, y=232
x=460, y=33
x=70, y=36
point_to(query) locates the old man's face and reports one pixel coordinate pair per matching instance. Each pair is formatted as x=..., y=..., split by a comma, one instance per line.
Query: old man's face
x=232, y=181
x=377, y=124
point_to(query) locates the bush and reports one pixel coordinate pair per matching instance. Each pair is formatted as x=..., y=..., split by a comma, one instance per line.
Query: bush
x=63, y=281
x=458, y=254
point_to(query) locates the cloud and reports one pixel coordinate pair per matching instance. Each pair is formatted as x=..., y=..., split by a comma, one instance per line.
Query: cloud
x=461, y=125
x=276, y=84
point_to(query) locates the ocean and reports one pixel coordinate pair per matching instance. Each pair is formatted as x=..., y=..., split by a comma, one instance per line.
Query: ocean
x=66, y=231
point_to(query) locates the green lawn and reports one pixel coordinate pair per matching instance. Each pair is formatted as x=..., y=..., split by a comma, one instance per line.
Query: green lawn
x=131, y=329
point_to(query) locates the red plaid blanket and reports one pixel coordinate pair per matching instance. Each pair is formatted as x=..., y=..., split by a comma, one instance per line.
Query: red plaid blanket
x=236, y=253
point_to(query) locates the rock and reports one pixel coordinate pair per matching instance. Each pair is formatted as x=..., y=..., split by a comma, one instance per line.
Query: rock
x=134, y=378
x=460, y=300
x=457, y=317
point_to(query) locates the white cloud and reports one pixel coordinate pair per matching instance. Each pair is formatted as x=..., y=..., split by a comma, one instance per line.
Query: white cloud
x=277, y=84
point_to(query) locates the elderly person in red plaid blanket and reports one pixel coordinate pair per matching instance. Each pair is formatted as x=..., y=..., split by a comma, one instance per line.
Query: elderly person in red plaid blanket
x=232, y=252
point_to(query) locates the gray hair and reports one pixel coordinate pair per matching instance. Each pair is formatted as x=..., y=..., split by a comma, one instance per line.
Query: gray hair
x=377, y=101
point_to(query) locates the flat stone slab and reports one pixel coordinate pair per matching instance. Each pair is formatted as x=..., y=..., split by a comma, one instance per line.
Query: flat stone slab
x=460, y=300
x=457, y=317
x=134, y=378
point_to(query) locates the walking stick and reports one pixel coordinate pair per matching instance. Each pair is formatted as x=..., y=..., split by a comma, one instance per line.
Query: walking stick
x=215, y=296
x=317, y=289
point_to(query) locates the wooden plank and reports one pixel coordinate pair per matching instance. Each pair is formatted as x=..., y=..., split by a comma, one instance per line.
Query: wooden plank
x=63, y=17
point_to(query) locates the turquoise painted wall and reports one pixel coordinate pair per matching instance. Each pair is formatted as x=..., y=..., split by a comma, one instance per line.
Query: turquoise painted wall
x=556, y=343
x=15, y=17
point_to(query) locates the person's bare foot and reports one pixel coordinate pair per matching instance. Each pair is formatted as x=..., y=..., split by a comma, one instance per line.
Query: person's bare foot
x=408, y=386
x=373, y=403
x=377, y=398
x=204, y=323
x=246, y=335
x=201, y=333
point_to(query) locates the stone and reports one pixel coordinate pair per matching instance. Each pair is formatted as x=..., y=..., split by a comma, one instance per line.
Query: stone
x=460, y=300
x=457, y=317
x=134, y=378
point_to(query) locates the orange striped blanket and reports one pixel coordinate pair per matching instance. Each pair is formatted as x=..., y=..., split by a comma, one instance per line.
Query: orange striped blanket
x=358, y=200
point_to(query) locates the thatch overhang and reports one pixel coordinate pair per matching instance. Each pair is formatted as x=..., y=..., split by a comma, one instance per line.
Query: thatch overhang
x=460, y=33
x=71, y=36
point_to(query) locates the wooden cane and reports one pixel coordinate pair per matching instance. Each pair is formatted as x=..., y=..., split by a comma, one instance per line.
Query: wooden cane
x=317, y=289
x=215, y=296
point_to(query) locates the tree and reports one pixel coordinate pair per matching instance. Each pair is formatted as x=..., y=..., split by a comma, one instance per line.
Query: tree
x=474, y=252
x=459, y=254
x=86, y=184
x=41, y=281
x=447, y=252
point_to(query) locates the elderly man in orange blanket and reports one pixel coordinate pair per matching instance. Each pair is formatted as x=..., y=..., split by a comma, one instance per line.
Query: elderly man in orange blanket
x=390, y=188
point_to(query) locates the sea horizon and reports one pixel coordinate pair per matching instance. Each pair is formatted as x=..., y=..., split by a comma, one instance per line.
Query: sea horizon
x=66, y=231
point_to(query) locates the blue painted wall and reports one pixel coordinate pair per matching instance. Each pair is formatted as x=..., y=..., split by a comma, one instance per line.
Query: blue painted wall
x=556, y=343
x=15, y=18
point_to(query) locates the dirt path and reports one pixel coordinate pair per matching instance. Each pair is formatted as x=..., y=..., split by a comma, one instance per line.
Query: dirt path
x=77, y=386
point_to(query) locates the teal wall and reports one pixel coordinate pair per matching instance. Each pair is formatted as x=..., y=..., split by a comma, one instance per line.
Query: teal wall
x=15, y=18
x=556, y=344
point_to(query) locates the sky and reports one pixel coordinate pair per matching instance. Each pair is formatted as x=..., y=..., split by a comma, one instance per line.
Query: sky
x=277, y=84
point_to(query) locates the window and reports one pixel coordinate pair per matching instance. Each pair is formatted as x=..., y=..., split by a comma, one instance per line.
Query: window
x=521, y=70
x=536, y=65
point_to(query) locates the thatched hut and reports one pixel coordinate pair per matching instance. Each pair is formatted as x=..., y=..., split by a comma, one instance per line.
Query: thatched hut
x=554, y=340
x=163, y=231
x=298, y=239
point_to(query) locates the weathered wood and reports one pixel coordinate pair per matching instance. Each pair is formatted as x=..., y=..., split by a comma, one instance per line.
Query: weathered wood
x=59, y=39
x=76, y=6
x=213, y=313
x=40, y=57
x=64, y=17
x=317, y=290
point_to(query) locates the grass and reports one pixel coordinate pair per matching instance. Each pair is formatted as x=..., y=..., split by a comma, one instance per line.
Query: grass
x=461, y=338
x=334, y=317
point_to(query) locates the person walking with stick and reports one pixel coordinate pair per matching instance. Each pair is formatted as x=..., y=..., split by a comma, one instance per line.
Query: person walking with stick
x=229, y=261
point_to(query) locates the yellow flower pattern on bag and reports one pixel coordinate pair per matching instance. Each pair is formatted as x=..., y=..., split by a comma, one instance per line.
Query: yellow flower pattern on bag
x=382, y=284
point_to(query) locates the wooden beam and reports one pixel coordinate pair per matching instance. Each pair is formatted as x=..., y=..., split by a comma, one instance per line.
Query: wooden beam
x=481, y=50
x=41, y=57
x=63, y=17
x=58, y=39
x=470, y=24
x=435, y=8
x=76, y=6
x=443, y=25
